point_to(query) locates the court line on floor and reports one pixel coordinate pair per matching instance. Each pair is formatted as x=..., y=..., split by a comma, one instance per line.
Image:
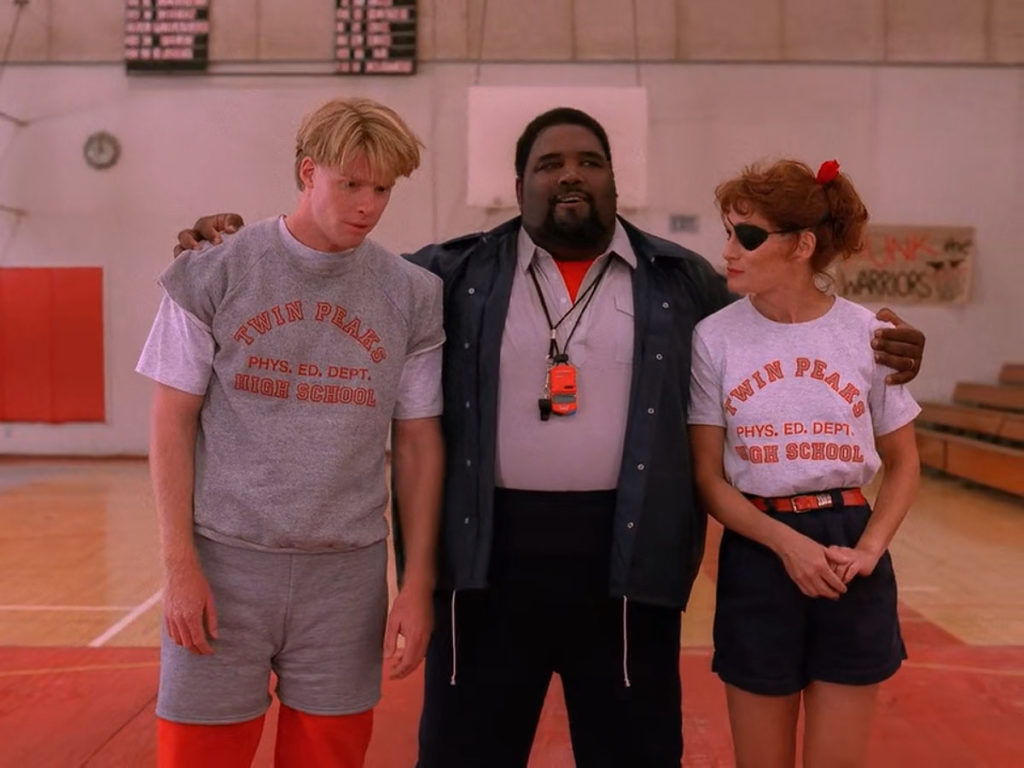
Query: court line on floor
x=89, y=668
x=37, y=607
x=939, y=667
x=137, y=611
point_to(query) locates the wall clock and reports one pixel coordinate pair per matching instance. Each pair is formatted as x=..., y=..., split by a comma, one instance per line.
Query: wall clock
x=101, y=150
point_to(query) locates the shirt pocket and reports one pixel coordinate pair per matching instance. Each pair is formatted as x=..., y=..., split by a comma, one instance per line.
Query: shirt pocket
x=622, y=332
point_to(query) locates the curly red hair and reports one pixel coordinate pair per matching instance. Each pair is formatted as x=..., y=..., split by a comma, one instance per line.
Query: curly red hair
x=787, y=193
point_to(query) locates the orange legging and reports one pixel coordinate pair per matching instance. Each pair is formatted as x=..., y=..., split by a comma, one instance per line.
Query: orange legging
x=303, y=741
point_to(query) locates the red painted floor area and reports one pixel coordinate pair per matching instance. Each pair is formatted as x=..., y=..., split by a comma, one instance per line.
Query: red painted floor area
x=951, y=705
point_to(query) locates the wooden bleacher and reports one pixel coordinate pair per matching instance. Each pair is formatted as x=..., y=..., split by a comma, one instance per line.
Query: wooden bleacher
x=980, y=436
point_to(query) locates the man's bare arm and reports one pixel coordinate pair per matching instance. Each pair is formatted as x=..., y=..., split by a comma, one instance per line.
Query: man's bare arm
x=187, y=595
x=418, y=466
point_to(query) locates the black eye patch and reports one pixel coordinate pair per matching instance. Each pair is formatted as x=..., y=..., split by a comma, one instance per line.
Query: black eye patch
x=751, y=236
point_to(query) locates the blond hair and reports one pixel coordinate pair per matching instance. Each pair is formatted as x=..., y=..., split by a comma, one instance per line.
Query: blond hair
x=343, y=128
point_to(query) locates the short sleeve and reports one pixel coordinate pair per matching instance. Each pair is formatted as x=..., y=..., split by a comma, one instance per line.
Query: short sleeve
x=892, y=406
x=705, y=387
x=427, y=321
x=179, y=350
x=419, y=389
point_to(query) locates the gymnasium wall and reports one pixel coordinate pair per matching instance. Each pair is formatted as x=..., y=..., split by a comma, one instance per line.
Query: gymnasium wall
x=925, y=143
x=960, y=31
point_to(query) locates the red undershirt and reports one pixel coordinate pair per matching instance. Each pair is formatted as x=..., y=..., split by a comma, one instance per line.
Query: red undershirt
x=573, y=273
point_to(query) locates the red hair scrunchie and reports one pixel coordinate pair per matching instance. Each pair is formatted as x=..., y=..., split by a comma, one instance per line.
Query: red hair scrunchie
x=827, y=172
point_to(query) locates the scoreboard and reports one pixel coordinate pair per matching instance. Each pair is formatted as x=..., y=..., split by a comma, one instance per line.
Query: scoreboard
x=376, y=37
x=372, y=37
x=166, y=35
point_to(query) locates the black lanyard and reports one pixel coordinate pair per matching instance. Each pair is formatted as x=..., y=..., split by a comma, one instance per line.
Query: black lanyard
x=555, y=354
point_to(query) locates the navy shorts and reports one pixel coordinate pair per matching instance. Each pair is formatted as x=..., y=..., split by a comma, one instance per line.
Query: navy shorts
x=773, y=640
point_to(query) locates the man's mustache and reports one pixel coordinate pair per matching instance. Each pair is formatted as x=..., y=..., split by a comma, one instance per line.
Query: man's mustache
x=570, y=193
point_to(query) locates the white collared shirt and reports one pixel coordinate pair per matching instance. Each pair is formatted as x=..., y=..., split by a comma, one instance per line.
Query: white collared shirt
x=581, y=452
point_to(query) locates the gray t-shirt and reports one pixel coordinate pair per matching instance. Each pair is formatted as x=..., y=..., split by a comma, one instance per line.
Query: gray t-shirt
x=309, y=354
x=180, y=347
x=801, y=403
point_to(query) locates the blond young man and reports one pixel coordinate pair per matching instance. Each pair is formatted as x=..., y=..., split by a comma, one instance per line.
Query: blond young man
x=282, y=357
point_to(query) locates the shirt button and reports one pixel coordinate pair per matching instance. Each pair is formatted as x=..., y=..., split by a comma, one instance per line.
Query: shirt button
x=649, y=410
x=466, y=521
x=640, y=467
x=469, y=462
x=664, y=305
x=465, y=345
x=628, y=525
x=467, y=403
x=659, y=356
x=471, y=291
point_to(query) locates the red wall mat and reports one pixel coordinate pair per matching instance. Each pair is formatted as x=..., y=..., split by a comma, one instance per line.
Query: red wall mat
x=24, y=352
x=77, y=339
x=51, y=344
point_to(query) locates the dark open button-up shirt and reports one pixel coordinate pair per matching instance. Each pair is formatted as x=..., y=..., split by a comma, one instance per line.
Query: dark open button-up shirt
x=658, y=534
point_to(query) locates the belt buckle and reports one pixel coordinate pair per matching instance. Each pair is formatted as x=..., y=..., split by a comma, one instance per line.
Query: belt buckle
x=821, y=501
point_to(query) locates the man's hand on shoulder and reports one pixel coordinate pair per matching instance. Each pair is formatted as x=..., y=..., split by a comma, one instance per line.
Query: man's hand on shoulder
x=207, y=229
x=901, y=347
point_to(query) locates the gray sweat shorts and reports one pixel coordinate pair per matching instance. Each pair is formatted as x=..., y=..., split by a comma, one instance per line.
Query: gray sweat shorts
x=315, y=620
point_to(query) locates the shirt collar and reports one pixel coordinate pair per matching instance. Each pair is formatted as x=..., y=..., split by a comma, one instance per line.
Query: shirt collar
x=620, y=246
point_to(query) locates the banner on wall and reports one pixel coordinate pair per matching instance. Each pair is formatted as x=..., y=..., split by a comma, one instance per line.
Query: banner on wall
x=910, y=265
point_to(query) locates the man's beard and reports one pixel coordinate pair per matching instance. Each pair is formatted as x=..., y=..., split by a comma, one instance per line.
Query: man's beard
x=574, y=232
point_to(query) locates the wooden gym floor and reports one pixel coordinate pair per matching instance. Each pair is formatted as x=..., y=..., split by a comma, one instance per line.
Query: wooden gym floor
x=80, y=613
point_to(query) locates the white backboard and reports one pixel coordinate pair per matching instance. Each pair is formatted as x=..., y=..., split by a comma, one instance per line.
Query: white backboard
x=498, y=115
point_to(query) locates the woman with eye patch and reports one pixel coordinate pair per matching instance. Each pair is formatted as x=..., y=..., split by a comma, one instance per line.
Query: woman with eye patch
x=790, y=415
